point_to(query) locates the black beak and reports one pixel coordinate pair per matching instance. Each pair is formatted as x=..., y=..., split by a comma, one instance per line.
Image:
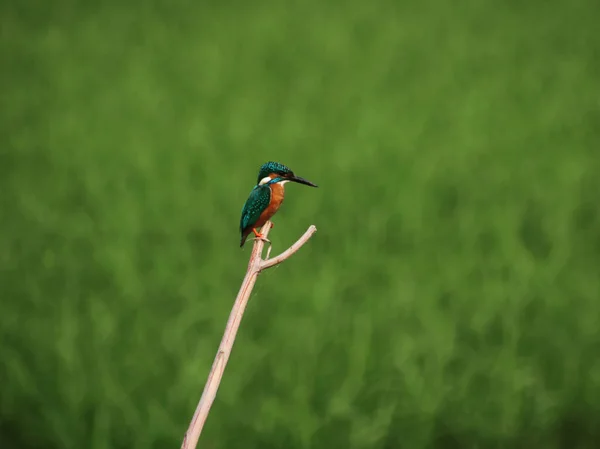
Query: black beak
x=300, y=180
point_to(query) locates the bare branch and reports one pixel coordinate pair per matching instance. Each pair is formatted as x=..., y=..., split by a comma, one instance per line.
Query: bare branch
x=288, y=252
x=255, y=266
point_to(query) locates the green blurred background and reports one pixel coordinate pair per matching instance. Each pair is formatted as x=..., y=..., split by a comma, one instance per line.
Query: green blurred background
x=450, y=298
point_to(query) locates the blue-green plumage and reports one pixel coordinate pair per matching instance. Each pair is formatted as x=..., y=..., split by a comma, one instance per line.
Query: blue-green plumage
x=257, y=202
x=273, y=167
x=266, y=197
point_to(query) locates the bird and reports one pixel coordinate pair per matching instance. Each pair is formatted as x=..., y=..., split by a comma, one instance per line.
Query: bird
x=266, y=197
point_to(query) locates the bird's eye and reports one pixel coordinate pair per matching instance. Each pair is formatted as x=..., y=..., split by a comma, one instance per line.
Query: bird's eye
x=264, y=181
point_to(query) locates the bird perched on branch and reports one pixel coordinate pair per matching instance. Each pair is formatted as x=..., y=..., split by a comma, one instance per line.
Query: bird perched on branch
x=266, y=197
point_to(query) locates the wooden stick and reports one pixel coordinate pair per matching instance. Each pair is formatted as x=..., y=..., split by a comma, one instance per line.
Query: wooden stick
x=255, y=266
x=268, y=263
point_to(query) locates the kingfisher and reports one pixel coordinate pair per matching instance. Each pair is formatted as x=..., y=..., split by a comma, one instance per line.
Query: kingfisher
x=266, y=197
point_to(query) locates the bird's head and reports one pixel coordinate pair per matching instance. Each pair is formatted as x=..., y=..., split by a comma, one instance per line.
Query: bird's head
x=274, y=172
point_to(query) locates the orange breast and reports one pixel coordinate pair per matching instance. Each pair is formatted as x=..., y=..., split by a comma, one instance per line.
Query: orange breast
x=277, y=193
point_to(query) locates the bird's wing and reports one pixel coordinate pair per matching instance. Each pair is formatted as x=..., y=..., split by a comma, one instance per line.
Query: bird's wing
x=257, y=202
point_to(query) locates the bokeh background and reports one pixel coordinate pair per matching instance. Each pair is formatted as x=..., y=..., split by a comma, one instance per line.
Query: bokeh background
x=450, y=298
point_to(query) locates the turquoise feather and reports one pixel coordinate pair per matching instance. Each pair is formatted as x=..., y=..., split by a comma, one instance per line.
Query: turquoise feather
x=260, y=197
x=272, y=167
x=257, y=202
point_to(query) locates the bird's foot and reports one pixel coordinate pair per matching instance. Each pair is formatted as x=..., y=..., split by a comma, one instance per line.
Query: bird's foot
x=266, y=241
x=259, y=236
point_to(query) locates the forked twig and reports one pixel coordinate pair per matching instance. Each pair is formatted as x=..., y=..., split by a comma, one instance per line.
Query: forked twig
x=255, y=266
